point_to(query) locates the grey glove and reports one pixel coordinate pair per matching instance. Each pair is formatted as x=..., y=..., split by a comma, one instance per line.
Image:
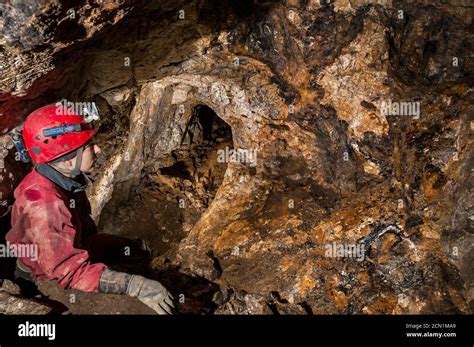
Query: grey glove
x=151, y=293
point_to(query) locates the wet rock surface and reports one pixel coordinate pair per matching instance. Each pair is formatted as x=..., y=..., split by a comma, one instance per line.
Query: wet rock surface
x=12, y=301
x=308, y=89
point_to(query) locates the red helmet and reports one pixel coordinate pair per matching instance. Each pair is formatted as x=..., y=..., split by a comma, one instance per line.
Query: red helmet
x=54, y=130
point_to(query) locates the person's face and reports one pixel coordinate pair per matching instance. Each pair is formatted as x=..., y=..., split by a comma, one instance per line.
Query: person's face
x=88, y=157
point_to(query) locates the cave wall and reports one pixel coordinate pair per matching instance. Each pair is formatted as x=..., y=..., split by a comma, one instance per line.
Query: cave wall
x=302, y=83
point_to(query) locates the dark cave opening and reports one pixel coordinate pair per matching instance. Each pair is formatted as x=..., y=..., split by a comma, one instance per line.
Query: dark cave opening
x=171, y=198
x=173, y=193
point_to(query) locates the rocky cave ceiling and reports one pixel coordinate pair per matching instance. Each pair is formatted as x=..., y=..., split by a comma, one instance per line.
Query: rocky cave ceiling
x=301, y=82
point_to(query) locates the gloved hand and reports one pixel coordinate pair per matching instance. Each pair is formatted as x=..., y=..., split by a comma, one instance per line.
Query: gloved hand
x=151, y=293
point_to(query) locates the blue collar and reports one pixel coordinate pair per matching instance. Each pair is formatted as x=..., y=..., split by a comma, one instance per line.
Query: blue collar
x=72, y=185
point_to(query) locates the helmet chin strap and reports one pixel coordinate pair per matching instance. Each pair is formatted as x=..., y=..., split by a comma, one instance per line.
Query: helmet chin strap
x=77, y=168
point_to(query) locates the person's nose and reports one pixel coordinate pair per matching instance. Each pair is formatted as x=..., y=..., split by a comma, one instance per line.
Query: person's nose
x=97, y=150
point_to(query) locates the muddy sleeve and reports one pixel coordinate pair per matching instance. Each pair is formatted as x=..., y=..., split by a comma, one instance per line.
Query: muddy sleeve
x=51, y=230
